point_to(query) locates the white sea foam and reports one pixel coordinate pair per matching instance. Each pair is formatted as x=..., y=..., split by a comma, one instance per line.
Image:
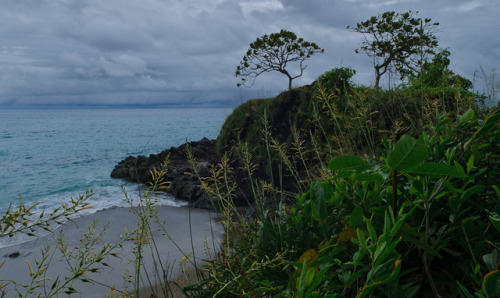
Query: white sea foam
x=103, y=198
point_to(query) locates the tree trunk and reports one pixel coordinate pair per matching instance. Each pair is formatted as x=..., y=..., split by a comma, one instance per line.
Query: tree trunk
x=377, y=80
x=289, y=84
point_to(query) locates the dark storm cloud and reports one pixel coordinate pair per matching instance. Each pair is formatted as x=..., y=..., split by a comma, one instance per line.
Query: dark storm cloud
x=186, y=51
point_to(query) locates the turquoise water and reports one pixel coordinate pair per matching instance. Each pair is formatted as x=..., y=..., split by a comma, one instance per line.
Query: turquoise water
x=53, y=155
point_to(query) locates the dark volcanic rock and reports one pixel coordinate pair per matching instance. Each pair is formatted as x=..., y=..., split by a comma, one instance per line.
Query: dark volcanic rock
x=182, y=185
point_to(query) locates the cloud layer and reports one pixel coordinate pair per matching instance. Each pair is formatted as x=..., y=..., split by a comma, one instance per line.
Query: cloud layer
x=176, y=52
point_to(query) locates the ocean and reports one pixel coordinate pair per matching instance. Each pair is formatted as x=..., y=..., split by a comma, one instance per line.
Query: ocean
x=53, y=155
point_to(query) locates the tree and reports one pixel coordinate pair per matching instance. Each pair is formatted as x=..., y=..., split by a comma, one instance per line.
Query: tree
x=273, y=53
x=437, y=81
x=437, y=74
x=400, y=39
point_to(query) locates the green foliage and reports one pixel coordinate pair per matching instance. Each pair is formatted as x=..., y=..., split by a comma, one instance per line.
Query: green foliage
x=441, y=204
x=436, y=73
x=436, y=81
x=399, y=39
x=275, y=52
x=342, y=237
x=337, y=80
x=243, y=123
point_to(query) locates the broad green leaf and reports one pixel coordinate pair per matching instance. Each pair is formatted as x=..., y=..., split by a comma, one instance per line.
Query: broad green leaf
x=466, y=116
x=348, y=162
x=437, y=170
x=490, y=282
x=356, y=218
x=407, y=153
x=491, y=260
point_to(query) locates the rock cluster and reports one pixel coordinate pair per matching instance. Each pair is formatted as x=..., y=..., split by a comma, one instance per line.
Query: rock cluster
x=182, y=185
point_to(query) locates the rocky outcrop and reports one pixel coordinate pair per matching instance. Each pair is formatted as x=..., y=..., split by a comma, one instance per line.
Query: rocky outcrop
x=182, y=185
x=244, y=125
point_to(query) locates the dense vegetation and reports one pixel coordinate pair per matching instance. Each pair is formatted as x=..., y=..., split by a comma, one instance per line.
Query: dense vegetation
x=395, y=191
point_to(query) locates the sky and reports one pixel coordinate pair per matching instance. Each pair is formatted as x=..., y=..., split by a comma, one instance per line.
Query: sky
x=185, y=52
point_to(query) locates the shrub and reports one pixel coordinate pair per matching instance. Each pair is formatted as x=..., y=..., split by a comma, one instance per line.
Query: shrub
x=337, y=80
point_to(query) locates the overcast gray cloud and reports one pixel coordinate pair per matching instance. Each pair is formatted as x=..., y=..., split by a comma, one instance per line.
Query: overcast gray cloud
x=185, y=51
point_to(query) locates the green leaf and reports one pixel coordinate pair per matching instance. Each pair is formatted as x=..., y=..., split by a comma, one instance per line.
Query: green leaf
x=320, y=193
x=487, y=125
x=454, y=203
x=356, y=218
x=436, y=170
x=301, y=280
x=466, y=116
x=471, y=191
x=309, y=277
x=348, y=162
x=495, y=220
x=497, y=190
x=490, y=281
x=381, y=244
x=371, y=230
x=318, y=278
x=389, y=280
x=464, y=290
x=397, y=226
x=377, y=178
x=362, y=239
x=460, y=169
x=442, y=123
x=407, y=153
x=470, y=164
x=491, y=260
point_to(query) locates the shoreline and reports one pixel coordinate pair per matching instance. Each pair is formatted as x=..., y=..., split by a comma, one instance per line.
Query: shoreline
x=200, y=234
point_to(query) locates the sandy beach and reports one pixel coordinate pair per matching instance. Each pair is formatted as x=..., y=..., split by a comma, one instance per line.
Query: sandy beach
x=188, y=228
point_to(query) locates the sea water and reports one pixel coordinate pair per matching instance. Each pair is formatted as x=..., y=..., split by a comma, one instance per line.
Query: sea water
x=53, y=155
